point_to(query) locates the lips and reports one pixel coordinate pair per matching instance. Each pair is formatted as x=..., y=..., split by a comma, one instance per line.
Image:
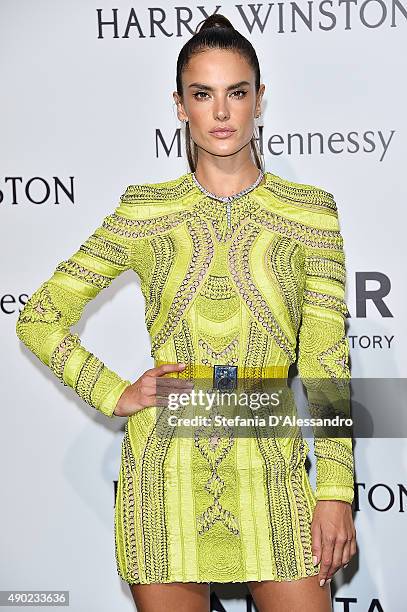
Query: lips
x=222, y=130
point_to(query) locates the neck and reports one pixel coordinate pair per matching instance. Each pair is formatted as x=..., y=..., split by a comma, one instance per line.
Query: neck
x=226, y=185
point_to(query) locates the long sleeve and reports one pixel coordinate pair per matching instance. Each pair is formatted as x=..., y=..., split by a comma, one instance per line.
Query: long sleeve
x=323, y=357
x=44, y=323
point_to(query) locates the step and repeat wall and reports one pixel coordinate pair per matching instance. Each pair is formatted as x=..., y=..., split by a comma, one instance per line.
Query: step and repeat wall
x=87, y=109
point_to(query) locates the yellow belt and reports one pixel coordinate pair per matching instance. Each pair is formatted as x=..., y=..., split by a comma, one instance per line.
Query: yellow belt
x=200, y=370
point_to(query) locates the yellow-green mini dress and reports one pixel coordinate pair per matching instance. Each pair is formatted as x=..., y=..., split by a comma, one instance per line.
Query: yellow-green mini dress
x=258, y=289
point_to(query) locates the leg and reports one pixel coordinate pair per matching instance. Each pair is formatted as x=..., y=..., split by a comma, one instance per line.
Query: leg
x=172, y=597
x=303, y=595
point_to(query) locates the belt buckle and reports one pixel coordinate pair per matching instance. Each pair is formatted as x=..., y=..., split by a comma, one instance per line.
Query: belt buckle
x=225, y=377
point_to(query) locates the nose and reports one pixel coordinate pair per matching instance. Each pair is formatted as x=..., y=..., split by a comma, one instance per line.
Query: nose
x=221, y=113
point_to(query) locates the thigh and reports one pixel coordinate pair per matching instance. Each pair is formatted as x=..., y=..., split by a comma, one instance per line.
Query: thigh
x=171, y=597
x=302, y=595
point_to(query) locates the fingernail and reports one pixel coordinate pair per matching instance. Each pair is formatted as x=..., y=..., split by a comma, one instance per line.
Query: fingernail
x=314, y=560
x=345, y=565
x=181, y=364
x=329, y=580
x=322, y=582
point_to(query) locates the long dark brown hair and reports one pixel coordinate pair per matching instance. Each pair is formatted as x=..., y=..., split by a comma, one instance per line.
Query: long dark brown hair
x=216, y=32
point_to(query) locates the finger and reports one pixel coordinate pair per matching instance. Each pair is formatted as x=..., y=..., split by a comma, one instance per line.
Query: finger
x=340, y=543
x=146, y=401
x=353, y=544
x=151, y=387
x=180, y=394
x=350, y=546
x=166, y=367
x=174, y=382
x=172, y=387
x=148, y=385
x=326, y=558
x=316, y=544
x=175, y=394
x=346, y=553
x=161, y=401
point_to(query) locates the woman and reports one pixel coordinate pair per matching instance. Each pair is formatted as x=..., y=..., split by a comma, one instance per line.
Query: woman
x=235, y=265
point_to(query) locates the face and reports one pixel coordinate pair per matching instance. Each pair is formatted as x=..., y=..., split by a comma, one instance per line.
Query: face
x=219, y=92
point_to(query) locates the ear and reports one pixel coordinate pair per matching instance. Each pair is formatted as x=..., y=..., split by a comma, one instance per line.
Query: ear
x=181, y=114
x=259, y=99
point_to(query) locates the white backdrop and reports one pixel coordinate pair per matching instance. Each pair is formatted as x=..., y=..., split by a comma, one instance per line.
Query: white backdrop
x=86, y=108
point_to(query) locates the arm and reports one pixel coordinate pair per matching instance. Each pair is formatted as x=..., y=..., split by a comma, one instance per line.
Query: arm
x=44, y=322
x=323, y=359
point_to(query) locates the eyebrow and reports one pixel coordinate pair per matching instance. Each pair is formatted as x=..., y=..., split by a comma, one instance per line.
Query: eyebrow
x=208, y=88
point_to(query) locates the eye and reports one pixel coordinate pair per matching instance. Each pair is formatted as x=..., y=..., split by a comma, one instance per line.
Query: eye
x=242, y=93
x=197, y=96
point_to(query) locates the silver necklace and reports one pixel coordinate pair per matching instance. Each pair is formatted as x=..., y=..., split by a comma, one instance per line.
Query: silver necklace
x=232, y=197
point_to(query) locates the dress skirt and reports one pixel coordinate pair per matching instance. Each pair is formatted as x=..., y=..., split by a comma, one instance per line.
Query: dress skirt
x=194, y=509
